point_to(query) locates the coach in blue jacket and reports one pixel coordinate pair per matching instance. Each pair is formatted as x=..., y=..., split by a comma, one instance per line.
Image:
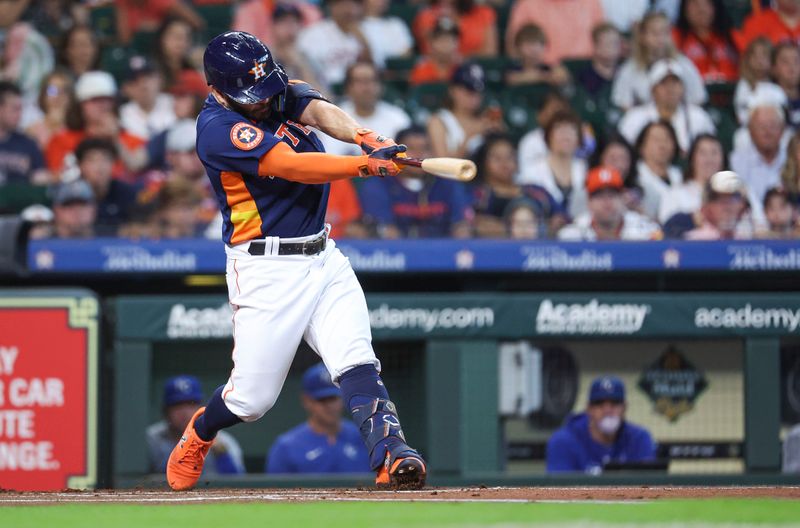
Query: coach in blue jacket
x=325, y=442
x=590, y=440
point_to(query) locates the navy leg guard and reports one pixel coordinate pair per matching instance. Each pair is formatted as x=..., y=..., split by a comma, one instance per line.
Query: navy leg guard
x=375, y=415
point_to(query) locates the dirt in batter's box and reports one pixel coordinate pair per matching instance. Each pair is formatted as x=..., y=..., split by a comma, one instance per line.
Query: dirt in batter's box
x=482, y=493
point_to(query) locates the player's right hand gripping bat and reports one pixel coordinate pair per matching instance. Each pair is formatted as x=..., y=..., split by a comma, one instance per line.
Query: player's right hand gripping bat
x=450, y=168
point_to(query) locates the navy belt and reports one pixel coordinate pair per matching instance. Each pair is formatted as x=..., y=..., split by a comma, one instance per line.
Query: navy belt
x=309, y=247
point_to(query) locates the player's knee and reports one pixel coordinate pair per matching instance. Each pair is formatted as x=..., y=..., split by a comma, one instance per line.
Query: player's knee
x=256, y=407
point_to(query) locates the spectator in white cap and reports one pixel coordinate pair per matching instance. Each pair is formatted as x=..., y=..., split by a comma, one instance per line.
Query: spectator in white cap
x=724, y=206
x=652, y=42
x=40, y=221
x=668, y=104
x=94, y=114
x=759, y=161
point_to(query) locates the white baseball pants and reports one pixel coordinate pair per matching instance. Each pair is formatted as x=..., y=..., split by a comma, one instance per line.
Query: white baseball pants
x=278, y=300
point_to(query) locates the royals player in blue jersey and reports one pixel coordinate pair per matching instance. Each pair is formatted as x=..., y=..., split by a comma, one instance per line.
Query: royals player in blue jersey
x=286, y=279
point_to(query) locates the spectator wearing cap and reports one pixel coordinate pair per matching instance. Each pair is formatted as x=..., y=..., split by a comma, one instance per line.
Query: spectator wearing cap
x=607, y=217
x=596, y=77
x=478, y=23
x=134, y=16
x=115, y=199
x=667, y=104
x=458, y=129
x=703, y=33
x=495, y=188
x=652, y=42
x=780, y=23
x=724, y=206
x=257, y=17
x=148, y=111
x=333, y=44
x=442, y=57
x=40, y=221
x=759, y=161
x=706, y=157
x=561, y=172
x=566, y=42
x=388, y=36
x=414, y=204
x=780, y=215
x=21, y=161
x=287, y=20
x=530, y=46
x=74, y=210
x=324, y=443
x=93, y=114
x=182, y=397
x=600, y=435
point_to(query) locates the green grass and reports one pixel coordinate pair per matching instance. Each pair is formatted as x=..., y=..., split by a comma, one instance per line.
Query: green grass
x=406, y=515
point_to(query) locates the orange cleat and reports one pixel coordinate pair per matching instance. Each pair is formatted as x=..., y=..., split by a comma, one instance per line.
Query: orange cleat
x=405, y=473
x=186, y=461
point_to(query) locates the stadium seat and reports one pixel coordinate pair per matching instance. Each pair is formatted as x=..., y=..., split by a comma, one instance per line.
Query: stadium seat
x=520, y=104
x=402, y=10
x=495, y=70
x=575, y=66
x=596, y=110
x=725, y=121
x=103, y=19
x=398, y=71
x=425, y=99
x=143, y=43
x=737, y=10
x=114, y=60
x=720, y=95
x=16, y=197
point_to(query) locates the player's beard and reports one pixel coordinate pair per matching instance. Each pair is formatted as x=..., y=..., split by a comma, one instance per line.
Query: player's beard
x=255, y=112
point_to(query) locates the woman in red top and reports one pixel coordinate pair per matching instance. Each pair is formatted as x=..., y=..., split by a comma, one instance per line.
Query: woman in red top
x=476, y=22
x=703, y=34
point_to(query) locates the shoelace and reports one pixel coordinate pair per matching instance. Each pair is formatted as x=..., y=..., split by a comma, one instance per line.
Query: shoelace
x=194, y=449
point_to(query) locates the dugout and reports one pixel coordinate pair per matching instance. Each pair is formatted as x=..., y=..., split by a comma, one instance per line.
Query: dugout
x=446, y=357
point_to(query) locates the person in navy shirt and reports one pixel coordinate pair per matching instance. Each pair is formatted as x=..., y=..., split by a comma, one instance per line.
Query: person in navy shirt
x=325, y=443
x=415, y=205
x=590, y=440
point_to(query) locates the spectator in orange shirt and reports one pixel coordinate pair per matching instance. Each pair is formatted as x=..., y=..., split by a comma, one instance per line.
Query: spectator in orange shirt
x=703, y=34
x=478, y=35
x=443, y=58
x=777, y=24
x=93, y=114
x=146, y=15
x=530, y=46
x=570, y=23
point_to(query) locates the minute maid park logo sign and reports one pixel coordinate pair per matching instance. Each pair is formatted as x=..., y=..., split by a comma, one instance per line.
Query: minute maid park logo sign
x=592, y=317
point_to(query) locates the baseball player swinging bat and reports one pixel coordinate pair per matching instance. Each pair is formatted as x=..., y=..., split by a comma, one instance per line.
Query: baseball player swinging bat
x=450, y=168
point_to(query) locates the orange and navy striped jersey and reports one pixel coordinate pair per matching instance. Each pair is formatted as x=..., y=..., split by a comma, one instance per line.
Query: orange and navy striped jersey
x=230, y=147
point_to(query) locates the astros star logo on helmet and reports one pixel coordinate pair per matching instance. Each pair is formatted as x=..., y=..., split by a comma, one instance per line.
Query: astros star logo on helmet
x=245, y=136
x=259, y=70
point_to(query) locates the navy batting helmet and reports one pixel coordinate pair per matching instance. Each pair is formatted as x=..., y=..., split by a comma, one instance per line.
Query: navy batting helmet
x=241, y=66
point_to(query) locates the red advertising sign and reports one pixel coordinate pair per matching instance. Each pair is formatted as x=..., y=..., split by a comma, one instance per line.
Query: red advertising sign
x=48, y=392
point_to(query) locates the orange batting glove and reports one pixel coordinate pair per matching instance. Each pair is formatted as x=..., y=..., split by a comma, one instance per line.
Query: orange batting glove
x=369, y=140
x=379, y=162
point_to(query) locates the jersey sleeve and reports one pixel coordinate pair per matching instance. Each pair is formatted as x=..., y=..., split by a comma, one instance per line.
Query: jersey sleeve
x=298, y=95
x=229, y=145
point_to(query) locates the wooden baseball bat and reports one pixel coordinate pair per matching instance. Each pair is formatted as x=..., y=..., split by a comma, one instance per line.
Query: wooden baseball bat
x=450, y=168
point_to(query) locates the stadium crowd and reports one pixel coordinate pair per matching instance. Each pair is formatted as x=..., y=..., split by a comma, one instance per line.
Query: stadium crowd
x=587, y=119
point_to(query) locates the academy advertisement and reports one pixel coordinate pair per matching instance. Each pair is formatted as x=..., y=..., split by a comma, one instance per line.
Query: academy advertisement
x=48, y=387
x=501, y=316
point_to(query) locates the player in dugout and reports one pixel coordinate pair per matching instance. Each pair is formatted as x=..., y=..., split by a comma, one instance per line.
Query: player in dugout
x=592, y=439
